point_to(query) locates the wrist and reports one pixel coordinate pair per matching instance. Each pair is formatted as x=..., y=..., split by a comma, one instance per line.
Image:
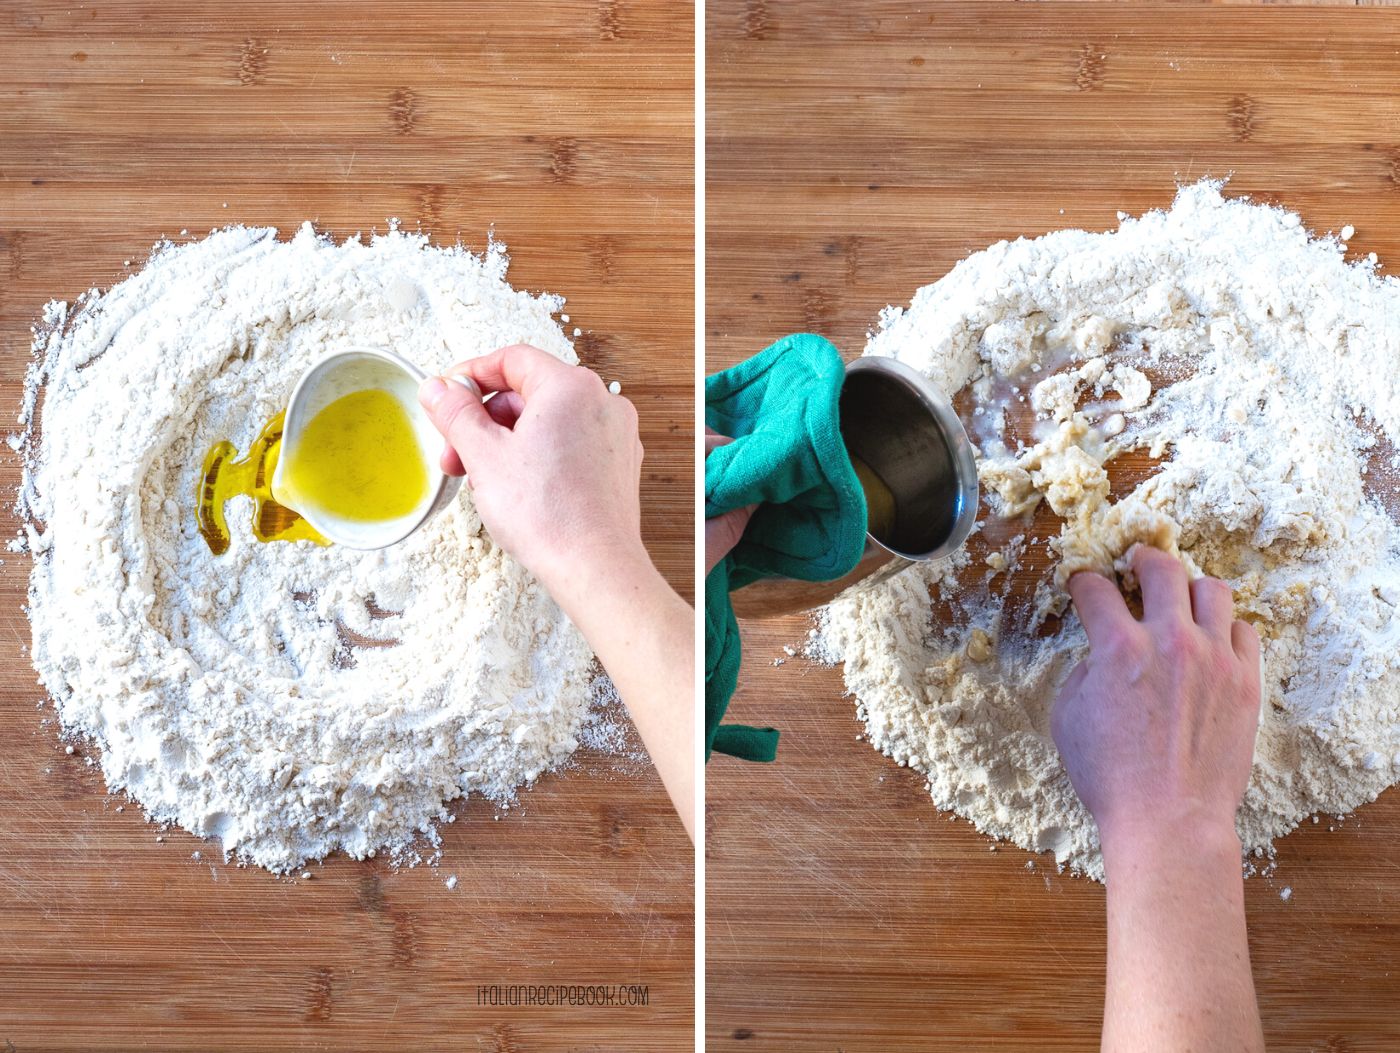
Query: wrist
x=586, y=573
x=1170, y=837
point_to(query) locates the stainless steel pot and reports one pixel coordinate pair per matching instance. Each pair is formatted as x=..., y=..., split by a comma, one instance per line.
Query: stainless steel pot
x=920, y=481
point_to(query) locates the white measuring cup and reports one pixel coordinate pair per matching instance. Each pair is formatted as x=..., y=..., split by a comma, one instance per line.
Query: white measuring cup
x=360, y=369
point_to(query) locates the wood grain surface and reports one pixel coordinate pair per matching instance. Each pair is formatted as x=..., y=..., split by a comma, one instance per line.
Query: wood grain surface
x=567, y=128
x=855, y=152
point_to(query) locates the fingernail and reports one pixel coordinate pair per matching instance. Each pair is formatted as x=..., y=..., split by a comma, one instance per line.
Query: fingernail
x=431, y=391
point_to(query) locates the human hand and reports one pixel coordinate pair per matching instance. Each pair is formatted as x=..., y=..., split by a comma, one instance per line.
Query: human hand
x=1156, y=727
x=554, y=463
x=723, y=532
x=553, y=460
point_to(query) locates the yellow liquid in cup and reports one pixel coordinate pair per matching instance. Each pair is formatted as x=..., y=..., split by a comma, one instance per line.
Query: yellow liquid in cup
x=358, y=460
x=879, y=501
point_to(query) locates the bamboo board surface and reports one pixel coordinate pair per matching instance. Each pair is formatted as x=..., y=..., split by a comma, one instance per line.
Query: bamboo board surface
x=856, y=152
x=566, y=127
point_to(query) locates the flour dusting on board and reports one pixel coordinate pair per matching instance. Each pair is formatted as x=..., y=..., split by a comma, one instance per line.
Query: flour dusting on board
x=288, y=699
x=1260, y=369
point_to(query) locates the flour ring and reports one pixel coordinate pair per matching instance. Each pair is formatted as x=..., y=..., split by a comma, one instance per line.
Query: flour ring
x=288, y=699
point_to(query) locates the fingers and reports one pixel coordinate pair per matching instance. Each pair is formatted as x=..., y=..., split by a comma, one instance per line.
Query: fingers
x=505, y=408
x=1212, y=605
x=456, y=411
x=1099, y=604
x=723, y=532
x=1245, y=641
x=518, y=367
x=450, y=463
x=1164, y=585
x=714, y=440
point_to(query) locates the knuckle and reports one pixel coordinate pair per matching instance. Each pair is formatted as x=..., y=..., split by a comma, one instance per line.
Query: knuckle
x=1125, y=643
x=589, y=381
x=730, y=531
x=1182, y=640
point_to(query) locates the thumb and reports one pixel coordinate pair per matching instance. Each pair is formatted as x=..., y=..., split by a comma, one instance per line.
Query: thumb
x=1060, y=711
x=723, y=532
x=456, y=410
x=1075, y=680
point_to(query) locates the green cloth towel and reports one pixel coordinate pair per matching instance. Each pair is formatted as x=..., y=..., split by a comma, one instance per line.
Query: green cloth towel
x=782, y=409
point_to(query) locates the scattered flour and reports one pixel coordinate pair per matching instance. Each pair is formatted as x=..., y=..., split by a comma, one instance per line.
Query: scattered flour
x=287, y=699
x=1274, y=412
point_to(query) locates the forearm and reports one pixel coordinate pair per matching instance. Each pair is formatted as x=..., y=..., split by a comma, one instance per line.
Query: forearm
x=1178, y=956
x=644, y=635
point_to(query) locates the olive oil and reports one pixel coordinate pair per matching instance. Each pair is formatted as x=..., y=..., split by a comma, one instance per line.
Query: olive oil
x=358, y=460
x=879, y=501
x=226, y=476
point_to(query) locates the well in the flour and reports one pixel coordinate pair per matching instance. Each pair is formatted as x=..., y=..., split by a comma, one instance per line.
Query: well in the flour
x=1201, y=380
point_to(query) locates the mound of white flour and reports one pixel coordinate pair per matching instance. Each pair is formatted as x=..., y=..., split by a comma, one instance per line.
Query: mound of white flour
x=1265, y=370
x=243, y=696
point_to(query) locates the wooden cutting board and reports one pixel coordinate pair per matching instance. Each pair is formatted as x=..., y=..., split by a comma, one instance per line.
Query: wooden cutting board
x=856, y=151
x=566, y=128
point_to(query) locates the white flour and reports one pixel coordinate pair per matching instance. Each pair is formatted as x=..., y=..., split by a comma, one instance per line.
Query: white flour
x=1264, y=369
x=222, y=691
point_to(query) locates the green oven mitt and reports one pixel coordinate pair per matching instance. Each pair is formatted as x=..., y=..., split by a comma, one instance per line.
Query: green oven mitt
x=782, y=409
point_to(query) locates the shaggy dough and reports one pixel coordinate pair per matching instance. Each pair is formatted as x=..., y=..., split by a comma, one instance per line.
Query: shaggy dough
x=1057, y=396
x=1067, y=471
x=1259, y=351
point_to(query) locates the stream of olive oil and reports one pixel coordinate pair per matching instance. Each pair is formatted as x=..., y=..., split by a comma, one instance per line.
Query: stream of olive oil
x=226, y=476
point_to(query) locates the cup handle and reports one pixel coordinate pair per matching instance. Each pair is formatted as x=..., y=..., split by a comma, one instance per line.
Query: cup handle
x=468, y=383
